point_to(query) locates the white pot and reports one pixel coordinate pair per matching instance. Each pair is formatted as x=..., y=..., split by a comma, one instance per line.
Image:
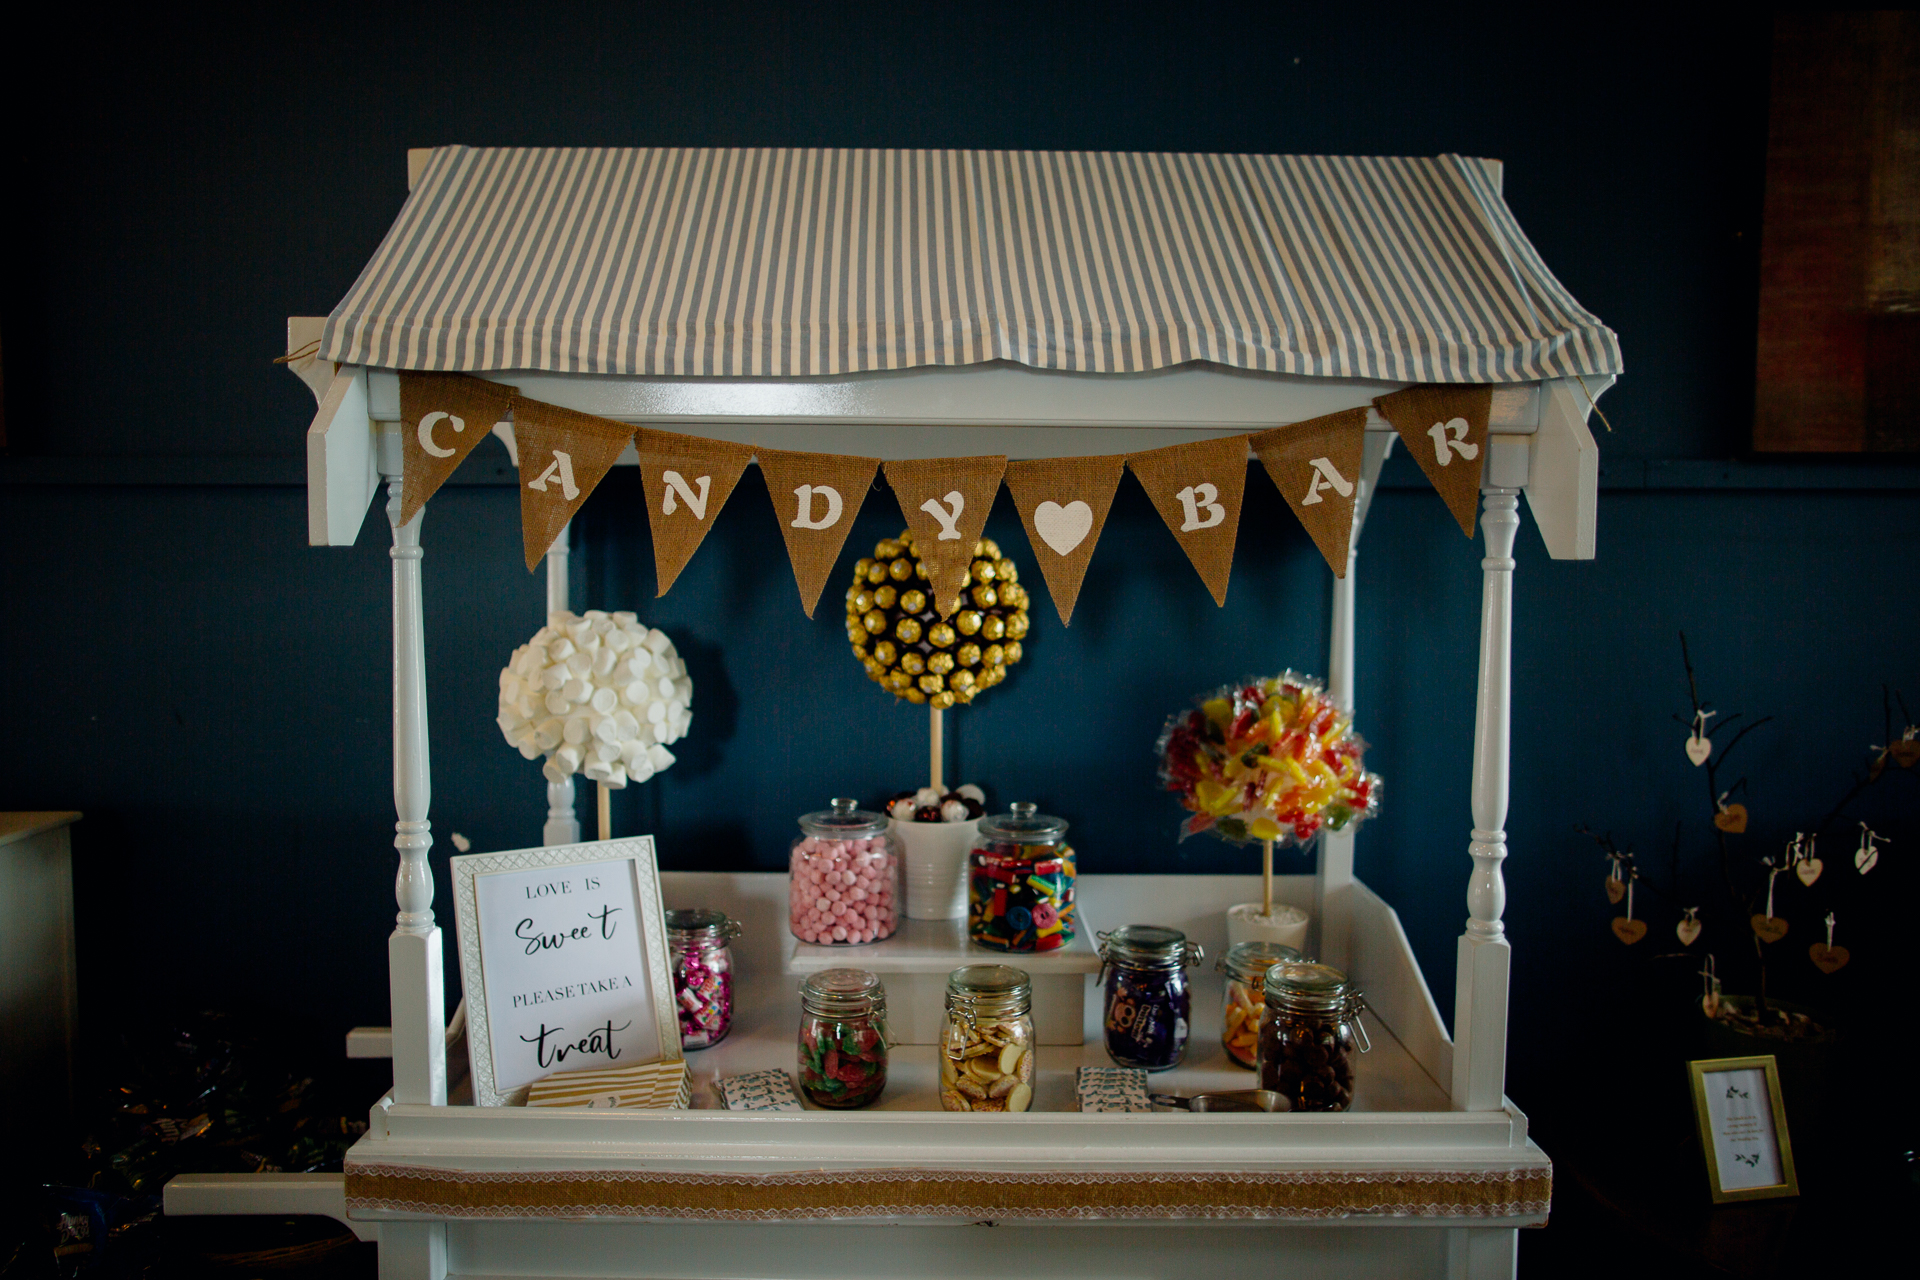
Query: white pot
x=1286, y=926
x=936, y=867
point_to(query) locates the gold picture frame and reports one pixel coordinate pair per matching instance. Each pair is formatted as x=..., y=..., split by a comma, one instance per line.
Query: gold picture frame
x=1749, y=1154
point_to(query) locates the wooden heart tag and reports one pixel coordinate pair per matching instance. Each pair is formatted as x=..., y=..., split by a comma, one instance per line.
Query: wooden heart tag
x=1769, y=928
x=1629, y=931
x=1828, y=959
x=1865, y=859
x=1710, y=1004
x=1809, y=870
x=1688, y=930
x=1732, y=818
x=1699, y=748
x=1616, y=889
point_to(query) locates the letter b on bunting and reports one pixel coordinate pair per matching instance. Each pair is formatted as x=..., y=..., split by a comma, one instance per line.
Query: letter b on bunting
x=1197, y=488
x=687, y=480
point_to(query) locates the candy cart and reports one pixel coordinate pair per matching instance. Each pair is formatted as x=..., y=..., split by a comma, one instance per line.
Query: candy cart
x=907, y=305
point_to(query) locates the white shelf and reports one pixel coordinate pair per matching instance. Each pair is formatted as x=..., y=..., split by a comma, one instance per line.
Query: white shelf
x=940, y=946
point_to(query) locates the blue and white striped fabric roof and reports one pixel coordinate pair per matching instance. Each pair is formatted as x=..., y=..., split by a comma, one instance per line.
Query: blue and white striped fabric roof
x=795, y=263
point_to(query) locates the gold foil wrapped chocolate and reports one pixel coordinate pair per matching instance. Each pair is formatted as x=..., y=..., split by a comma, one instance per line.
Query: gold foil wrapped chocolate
x=912, y=653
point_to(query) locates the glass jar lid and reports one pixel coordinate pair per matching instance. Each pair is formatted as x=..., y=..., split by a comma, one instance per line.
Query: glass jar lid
x=843, y=993
x=1148, y=946
x=1249, y=961
x=1023, y=826
x=1310, y=988
x=989, y=990
x=698, y=924
x=845, y=821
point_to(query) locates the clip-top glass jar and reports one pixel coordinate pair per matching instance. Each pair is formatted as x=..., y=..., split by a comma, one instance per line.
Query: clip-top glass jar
x=1020, y=882
x=986, y=1051
x=702, y=974
x=844, y=880
x=1307, y=1033
x=1149, y=1007
x=1246, y=965
x=843, y=1038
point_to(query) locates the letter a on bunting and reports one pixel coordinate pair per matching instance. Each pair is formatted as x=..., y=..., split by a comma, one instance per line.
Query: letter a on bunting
x=1445, y=428
x=1064, y=504
x=816, y=496
x=1196, y=488
x=1316, y=465
x=687, y=480
x=442, y=416
x=945, y=501
x=563, y=455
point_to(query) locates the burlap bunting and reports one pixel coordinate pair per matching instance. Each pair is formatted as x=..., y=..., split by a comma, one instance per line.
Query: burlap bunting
x=687, y=480
x=1445, y=429
x=946, y=501
x=1063, y=502
x=1316, y=466
x=1197, y=488
x=442, y=417
x=815, y=497
x=563, y=456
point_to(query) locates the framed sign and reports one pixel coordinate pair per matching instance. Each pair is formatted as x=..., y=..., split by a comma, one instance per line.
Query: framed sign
x=563, y=952
x=1743, y=1128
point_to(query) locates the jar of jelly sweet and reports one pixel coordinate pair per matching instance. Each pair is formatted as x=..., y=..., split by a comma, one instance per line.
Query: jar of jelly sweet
x=702, y=974
x=1149, y=1008
x=843, y=1038
x=1246, y=965
x=986, y=1050
x=1308, y=1029
x=1020, y=882
x=844, y=878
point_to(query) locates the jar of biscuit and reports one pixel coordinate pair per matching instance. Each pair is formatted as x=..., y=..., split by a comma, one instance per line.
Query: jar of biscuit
x=843, y=883
x=1308, y=1029
x=1246, y=965
x=986, y=1051
x=1020, y=882
x=843, y=1038
x=1149, y=1007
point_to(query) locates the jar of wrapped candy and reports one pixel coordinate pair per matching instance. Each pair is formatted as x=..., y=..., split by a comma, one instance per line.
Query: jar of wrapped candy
x=1143, y=968
x=986, y=1051
x=1020, y=882
x=1308, y=1029
x=844, y=878
x=843, y=1038
x=702, y=974
x=1246, y=965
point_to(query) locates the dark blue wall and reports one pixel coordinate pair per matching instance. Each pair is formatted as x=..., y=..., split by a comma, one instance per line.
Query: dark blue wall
x=212, y=693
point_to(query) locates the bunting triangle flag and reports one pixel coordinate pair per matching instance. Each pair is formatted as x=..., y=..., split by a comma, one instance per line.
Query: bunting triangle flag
x=816, y=497
x=1445, y=429
x=946, y=501
x=1197, y=488
x=564, y=456
x=687, y=480
x=1316, y=466
x=442, y=417
x=1063, y=502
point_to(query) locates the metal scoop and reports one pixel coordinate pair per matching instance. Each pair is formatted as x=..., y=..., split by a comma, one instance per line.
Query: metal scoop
x=1238, y=1100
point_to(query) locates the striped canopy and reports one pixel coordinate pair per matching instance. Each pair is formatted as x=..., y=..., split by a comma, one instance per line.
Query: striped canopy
x=790, y=263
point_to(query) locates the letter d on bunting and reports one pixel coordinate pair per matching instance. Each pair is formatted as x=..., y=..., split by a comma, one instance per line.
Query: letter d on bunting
x=1445, y=429
x=442, y=416
x=1316, y=465
x=563, y=455
x=687, y=480
x=816, y=497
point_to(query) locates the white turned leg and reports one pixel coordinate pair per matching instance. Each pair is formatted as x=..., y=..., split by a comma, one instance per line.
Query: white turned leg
x=563, y=824
x=415, y=981
x=413, y=1251
x=1480, y=981
x=1483, y=1253
x=1333, y=882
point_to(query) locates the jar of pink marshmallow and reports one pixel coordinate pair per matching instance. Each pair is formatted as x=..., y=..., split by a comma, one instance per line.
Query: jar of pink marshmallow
x=844, y=879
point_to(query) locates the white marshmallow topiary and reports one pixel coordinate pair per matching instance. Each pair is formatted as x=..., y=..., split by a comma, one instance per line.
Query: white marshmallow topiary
x=598, y=694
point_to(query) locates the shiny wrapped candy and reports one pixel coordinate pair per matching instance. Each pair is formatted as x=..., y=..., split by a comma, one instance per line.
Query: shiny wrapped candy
x=910, y=650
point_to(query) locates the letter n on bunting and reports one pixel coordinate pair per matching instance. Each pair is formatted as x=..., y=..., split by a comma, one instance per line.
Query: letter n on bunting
x=816, y=496
x=687, y=480
x=1064, y=504
x=563, y=455
x=945, y=501
x=1316, y=466
x=442, y=416
x=1445, y=428
x=1197, y=488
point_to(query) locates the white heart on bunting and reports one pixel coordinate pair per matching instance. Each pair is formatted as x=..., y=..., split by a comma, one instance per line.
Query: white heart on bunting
x=1063, y=528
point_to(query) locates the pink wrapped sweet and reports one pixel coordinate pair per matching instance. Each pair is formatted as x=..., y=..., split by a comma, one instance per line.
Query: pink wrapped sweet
x=844, y=878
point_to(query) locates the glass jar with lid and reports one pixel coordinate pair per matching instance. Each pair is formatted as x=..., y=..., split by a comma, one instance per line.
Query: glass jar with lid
x=843, y=1038
x=1020, y=882
x=986, y=1050
x=702, y=974
x=1308, y=1029
x=843, y=881
x=1246, y=965
x=1149, y=1007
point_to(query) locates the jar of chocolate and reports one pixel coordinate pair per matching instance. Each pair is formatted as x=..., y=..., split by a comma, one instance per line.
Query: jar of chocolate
x=843, y=882
x=1308, y=1028
x=702, y=974
x=1246, y=965
x=1020, y=882
x=1143, y=968
x=986, y=1051
x=843, y=1038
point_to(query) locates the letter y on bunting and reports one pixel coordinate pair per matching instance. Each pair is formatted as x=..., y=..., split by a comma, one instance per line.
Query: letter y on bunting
x=816, y=496
x=1197, y=488
x=687, y=480
x=1316, y=466
x=1445, y=428
x=563, y=455
x=442, y=416
x=945, y=501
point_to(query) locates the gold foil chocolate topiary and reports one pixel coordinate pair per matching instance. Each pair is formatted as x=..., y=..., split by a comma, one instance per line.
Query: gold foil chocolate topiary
x=909, y=650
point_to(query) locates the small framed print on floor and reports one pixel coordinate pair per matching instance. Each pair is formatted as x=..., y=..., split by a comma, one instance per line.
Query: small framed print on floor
x=1743, y=1128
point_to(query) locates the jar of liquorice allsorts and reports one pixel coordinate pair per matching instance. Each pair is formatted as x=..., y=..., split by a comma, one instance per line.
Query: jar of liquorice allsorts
x=843, y=1038
x=1149, y=1007
x=986, y=1051
x=1020, y=882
